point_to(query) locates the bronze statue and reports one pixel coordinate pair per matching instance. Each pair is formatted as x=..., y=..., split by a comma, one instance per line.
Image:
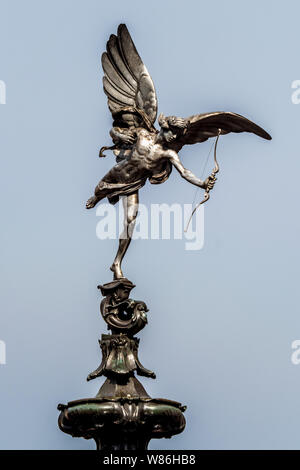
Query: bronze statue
x=143, y=152
x=122, y=416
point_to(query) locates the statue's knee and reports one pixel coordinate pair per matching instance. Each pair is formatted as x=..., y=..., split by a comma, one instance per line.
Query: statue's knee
x=131, y=219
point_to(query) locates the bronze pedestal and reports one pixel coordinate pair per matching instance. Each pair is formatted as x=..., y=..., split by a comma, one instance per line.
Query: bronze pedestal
x=122, y=416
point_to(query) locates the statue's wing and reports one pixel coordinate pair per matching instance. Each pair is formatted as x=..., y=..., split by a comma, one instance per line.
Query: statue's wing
x=129, y=88
x=203, y=126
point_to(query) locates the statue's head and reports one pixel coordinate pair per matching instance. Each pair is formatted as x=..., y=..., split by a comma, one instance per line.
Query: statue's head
x=171, y=127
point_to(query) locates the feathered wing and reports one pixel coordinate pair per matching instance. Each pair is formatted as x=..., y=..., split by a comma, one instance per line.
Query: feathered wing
x=203, y=126
x=127, y=84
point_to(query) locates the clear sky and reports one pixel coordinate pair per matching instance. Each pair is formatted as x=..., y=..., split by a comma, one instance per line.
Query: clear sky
x=221, y=319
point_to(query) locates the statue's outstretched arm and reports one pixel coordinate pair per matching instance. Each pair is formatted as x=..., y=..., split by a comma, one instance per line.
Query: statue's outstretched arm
x=184, y=172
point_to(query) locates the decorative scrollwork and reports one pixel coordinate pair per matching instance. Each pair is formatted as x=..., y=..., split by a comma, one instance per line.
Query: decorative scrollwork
x=124, y=317
x=122, y=314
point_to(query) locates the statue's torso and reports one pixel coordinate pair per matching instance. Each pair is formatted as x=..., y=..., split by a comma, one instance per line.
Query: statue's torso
x=147, y=153
x=145, y=159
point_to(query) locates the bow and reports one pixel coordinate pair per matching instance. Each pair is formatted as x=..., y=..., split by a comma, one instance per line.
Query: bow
x=212, y=176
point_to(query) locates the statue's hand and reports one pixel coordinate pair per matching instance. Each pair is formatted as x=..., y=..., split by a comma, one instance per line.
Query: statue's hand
x=209, y=183
x=128, y=139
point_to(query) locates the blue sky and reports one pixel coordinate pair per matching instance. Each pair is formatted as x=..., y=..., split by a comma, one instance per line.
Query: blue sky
x=221, y=319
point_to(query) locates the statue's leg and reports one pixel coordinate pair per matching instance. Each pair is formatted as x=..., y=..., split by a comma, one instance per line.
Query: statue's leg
x=131, y=205
x=91, y=202
x=99, y=194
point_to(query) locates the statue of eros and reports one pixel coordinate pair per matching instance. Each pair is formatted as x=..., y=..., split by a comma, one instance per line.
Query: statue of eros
x=142, y=152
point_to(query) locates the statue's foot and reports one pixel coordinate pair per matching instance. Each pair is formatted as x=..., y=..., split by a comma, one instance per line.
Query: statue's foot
x=116, y=269
x=91, y=202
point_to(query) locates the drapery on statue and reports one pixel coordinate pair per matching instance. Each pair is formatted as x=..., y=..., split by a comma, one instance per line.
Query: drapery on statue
x=143, y=152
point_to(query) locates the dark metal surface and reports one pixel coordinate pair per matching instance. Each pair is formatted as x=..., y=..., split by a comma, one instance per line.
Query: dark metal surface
x=123, y=423
x=122, y=416
x=119, y=312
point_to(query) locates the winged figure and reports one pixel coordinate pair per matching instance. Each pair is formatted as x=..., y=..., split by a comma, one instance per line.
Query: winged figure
x=142, y=152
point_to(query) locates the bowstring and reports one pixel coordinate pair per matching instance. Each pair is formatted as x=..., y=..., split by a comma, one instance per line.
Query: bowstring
x=203, y=170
